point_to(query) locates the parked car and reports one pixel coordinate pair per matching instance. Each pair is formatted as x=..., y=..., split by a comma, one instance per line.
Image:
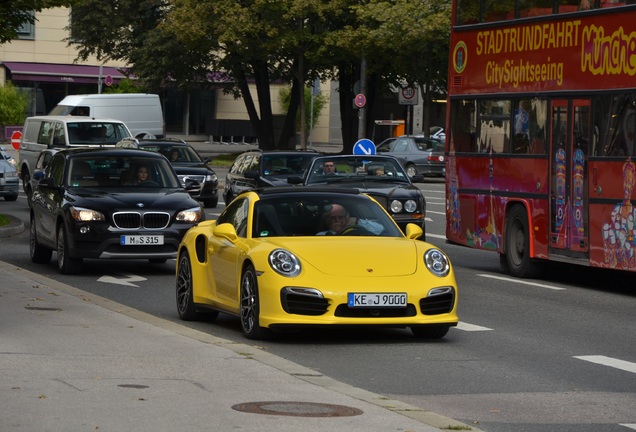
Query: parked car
x=189, y=165
x=262, y=261
x=4, y=154
x=41, y=163
x=88, y=204
x=417, y=154
x=256, y=169
x=9, y=181
x=382, y=177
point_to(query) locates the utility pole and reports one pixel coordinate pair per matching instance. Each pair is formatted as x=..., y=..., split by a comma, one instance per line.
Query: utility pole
x=362, y=111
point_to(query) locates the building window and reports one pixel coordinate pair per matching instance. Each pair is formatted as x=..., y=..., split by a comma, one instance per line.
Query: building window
x=27, y=30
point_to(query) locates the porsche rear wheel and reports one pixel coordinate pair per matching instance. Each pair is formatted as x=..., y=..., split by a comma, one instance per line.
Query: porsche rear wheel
x=65, y=263
x=430, y=331
x=250, y=306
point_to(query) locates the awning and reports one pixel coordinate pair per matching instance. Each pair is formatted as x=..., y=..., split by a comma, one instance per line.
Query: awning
x=50, y=72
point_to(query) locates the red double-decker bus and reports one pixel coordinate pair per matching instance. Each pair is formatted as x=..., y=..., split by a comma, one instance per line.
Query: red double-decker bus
x=541, y=123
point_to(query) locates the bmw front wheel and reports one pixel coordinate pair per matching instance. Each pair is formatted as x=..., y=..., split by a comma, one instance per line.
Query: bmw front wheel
x=250, y=306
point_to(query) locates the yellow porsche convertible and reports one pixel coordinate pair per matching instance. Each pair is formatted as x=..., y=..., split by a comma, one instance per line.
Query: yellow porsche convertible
x=295, y=257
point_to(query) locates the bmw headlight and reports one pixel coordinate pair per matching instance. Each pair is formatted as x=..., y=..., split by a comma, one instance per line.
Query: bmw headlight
x=396, y=206
x=410, y=206
x=284, y=262
x=437, y=262
x=189, y=215
x=85, y=215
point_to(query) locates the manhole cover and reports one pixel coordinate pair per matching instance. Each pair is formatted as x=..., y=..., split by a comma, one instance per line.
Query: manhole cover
x=297, y=409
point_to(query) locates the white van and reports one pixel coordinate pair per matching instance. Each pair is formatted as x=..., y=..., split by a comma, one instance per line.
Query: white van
x=140, y=111
x=62, y=132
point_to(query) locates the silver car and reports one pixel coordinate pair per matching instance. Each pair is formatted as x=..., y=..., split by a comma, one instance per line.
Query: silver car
x=417, y=154
x=9, y=181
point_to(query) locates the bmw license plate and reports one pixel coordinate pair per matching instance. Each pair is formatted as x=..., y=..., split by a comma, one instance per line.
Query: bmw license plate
x=138, y=240
x=376, y=300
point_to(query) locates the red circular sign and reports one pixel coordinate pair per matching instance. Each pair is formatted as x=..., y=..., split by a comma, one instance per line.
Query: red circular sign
x=15, y=139
x=361, y=100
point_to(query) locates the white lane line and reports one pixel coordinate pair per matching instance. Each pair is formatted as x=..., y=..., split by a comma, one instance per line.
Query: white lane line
x=609, y=361
x=552, y=287
x=470, y=327
x=443, y=237
x=628, y=425
x=434, y=212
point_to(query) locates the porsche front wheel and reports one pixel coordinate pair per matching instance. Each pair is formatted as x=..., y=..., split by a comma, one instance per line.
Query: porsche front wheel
x=250, y=306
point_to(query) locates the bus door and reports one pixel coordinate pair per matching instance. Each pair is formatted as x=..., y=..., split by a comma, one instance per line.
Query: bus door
x=569, y=146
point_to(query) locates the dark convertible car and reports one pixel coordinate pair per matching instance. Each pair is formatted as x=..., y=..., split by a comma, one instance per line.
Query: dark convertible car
x=109, y=203
x=381, y=177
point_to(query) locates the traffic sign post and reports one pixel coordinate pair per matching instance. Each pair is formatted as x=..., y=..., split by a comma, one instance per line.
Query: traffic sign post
x=15, y=139
x=364, y=147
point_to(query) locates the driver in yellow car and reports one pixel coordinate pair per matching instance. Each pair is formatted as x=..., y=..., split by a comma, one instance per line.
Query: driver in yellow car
x=338, y=218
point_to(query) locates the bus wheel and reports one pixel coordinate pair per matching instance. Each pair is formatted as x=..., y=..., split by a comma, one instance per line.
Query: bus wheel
x=517, y=259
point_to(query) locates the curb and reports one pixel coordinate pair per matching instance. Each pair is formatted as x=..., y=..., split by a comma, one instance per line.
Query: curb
x=16, y=226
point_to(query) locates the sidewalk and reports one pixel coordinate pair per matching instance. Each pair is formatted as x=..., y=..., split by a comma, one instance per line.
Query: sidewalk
x=72, y=361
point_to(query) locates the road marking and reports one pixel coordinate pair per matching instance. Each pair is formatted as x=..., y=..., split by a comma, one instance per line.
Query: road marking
x=552, y=287
x=434, y=212
x=609, y=361
x=126, y=280
x=628, y=425
x=471, y=327
x=443, y=237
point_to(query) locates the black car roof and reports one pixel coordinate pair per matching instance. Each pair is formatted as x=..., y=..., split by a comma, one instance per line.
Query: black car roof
x=108, y=151
x=285, y=190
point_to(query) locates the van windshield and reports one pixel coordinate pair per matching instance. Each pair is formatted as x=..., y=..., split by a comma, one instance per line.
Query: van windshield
x=96, y=133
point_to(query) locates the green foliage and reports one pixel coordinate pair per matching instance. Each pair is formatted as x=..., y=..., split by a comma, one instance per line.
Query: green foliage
x=319, y=103
x=125, y=86
x=15, y=13
x=13, y=105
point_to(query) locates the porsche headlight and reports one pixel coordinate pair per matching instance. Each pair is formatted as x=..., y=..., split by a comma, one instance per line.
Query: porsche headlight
x=396, y=206
x=189, y=215
x=410, y=206
x=437, y=262
x=85, y=215
x=284, y=262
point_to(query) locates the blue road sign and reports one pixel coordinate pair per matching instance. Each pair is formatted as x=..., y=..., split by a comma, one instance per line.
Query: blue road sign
x=364, y=147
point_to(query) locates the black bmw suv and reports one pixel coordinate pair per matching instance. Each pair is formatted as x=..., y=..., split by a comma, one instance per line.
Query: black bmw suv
x=109, y=203
x=189, y=165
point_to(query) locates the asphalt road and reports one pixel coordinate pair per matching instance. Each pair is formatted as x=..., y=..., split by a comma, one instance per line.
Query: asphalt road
x=556, y=354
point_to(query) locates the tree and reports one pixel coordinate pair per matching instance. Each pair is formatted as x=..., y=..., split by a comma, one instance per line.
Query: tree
x=194, y=43
x=311, y=116
x=15, y=13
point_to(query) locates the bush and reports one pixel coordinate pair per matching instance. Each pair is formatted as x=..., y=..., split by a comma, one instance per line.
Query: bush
x=13, y=105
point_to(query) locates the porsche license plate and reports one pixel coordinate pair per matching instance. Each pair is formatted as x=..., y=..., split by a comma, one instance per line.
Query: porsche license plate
x=376, y=300
x=138, y=240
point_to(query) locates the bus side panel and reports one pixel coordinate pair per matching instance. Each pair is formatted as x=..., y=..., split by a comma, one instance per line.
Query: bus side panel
x=479, y=189
x=612, y=214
